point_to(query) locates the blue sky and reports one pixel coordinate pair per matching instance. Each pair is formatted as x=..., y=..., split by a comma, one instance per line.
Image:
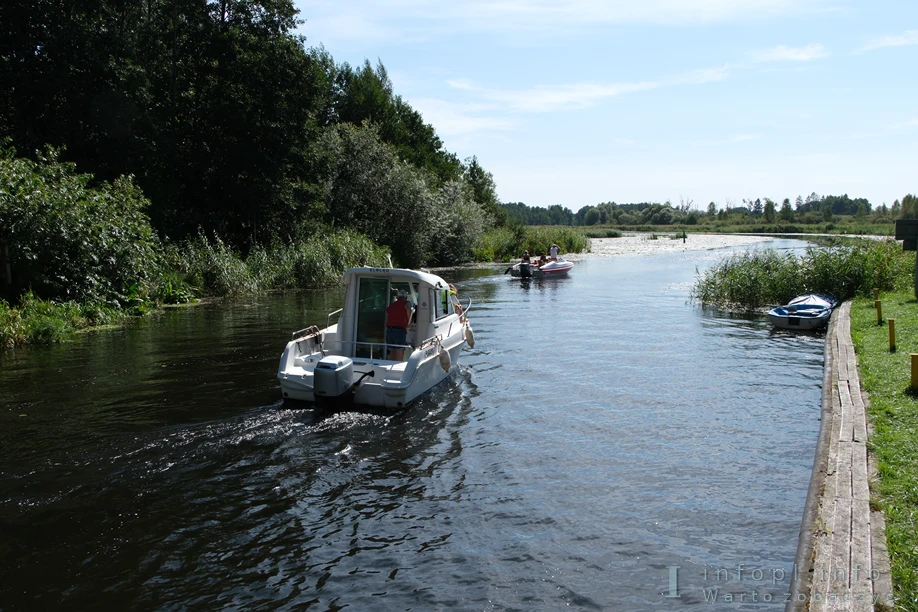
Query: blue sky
x=576, y=102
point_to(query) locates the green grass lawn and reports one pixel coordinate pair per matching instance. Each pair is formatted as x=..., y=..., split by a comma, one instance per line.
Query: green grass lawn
x=894, y=414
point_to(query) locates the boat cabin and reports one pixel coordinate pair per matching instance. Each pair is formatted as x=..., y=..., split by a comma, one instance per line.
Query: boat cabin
x=361, y=328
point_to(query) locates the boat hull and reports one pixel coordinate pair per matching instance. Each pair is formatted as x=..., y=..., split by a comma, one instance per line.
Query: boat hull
x=382, y=389
x=554, y=269
x=803, y=312
x=785, y=320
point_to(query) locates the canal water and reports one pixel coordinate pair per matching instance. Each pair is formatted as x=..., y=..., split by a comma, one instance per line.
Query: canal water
x=605, y=446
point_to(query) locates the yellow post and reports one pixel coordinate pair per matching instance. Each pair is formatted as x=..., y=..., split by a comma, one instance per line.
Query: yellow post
x=879, y=306
x=915, y=371
x=892, y=335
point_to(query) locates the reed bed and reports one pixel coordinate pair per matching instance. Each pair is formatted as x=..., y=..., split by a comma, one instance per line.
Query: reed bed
x=211, y=267
x=38, y=321
x=504, y=244
x=754, y=279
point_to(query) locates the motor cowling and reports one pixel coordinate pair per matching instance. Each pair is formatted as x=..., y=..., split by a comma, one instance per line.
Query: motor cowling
x=333, y=376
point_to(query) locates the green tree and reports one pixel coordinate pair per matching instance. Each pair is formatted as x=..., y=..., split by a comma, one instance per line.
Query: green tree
x=908, y=209
x=366, y=94
x=459, y=222
x=484, y=190
x=786, y=213
x=769, y=211
x=371, y=190
x=207, y=104
x=592, y=216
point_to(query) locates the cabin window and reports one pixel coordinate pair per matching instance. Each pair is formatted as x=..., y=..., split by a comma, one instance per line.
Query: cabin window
x=442, y=305
x=403, y=286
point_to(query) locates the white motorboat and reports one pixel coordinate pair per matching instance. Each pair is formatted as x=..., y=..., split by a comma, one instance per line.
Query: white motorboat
x=348, y=361
x=553, y=269
x=810, y=311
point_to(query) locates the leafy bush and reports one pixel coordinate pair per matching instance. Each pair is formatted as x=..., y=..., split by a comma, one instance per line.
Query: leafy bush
x=71, y=241
x=459, y=222
x=370, y=190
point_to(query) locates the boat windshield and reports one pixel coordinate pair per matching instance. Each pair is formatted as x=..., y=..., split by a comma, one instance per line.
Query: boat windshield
x=371, y=316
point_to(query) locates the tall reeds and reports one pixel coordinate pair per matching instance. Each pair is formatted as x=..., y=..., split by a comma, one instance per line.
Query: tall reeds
x=212, y=267
x=757, y=278
x=503, y=243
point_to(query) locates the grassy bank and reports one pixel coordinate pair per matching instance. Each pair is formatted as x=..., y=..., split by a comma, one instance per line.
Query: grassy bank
x=894, y=415
x=36, y=321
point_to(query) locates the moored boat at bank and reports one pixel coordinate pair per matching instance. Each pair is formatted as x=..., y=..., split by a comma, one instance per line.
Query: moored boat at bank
x=805, y=312
x=350, y=362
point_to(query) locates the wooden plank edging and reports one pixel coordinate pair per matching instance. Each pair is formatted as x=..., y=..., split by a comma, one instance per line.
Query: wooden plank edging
x=842, y=562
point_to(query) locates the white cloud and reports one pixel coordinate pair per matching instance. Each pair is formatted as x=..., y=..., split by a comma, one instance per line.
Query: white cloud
x=466, y=84
x=909, y=37
x=699, y=77
x=544, y=99
x=452, y=120
x=783, y=53
x=577, y=96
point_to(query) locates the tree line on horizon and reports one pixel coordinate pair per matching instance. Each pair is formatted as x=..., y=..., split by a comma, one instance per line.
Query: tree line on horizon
x=810, y=210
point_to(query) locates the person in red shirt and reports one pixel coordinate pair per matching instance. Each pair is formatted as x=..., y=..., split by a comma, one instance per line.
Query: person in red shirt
x=398, y=318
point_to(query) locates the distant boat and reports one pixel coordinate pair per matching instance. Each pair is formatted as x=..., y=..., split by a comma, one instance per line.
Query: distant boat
x=810, y=311
x=552, y=269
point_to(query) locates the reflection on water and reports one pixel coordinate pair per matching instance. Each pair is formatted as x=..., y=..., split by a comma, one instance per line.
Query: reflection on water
x=601, y=433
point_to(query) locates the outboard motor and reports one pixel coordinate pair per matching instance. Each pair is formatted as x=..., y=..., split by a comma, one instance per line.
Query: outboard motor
x=525, y=271
x=332, y=380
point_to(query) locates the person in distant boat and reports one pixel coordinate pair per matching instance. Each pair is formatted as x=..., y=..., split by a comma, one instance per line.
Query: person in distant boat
x=543, y=259
x=554, y=252
x=526, y=259
x=398, y=318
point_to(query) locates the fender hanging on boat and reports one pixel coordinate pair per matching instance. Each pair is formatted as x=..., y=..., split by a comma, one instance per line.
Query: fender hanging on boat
x=445, y=361
x=469, y=336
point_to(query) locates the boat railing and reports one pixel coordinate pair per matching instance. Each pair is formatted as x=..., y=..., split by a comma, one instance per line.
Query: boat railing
x=372, y=347
x=306, y=332
x=330, y=315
